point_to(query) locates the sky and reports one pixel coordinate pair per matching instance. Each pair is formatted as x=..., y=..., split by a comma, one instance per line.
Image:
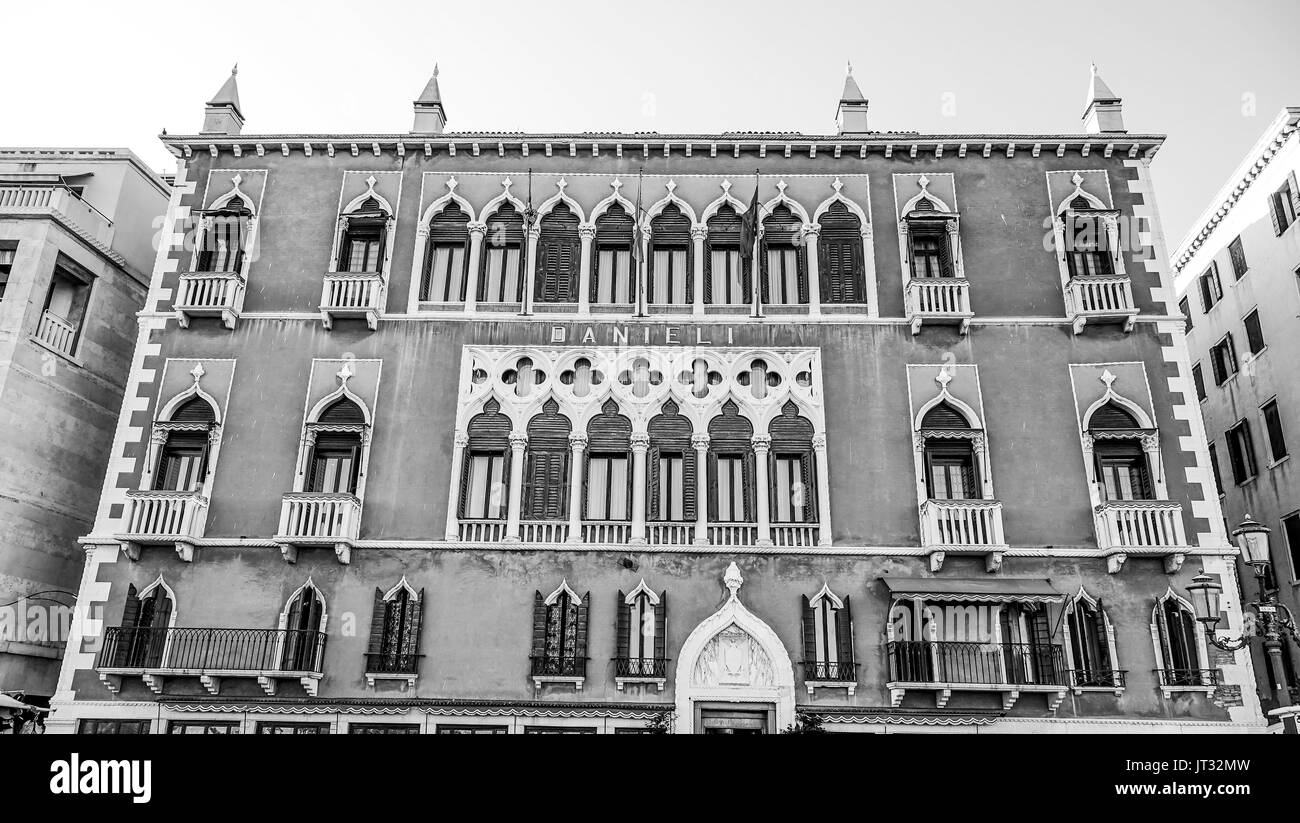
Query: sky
x=1210, y=75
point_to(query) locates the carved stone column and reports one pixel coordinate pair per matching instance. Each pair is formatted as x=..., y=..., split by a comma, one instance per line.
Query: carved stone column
x=698, y=235
x=453, y=495
x=762, y=445
x=518, y=443
x=586, y=234
x=477, y=231
x=577, y=446
x=823, y=490
x=700, y=442
x=811, y=234
x=640, y=444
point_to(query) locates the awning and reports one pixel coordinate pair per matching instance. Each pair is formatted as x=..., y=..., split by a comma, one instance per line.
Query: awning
x=979, y=589
x=7, y=702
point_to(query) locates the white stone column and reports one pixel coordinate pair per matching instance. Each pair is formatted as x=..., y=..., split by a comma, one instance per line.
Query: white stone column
x=640, y=445
x=586, y=234
x=518, y=443
x=530, y=270
x=762, y=445
x=453, y=495
x=823, y=490
x=577, y=446
x=698, y=235
x=811, y=234
x=477, y=231
x=700, y=442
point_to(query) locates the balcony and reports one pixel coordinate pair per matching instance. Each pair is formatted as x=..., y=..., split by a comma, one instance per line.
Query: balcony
x=209, y=294
x=175, y=518
x=1144, y=527
x=1098, y=680
x=947, y=666
x=559, y=670
x=56, y=333
x=1100, y=299
x=963, y=527
x=826, y=675
x=57, y=201
x=392, y=666
x=619, y=533
x=266, y=655
x=1187, y=680
x=651, y=670
x=312, y=519
x=347, y=295
x=938, y=300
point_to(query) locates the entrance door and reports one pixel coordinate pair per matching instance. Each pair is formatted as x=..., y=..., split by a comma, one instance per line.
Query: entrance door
x=732, y=721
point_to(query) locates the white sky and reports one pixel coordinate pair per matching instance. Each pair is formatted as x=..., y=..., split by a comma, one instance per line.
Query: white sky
x=1210, y=75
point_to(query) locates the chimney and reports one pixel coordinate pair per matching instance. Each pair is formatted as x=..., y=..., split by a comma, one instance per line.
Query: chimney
x=222, y=114
x=430, y=116
x=851, y=117
x=1104, y=113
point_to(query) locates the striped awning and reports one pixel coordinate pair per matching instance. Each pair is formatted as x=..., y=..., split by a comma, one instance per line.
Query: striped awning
x=978, y=589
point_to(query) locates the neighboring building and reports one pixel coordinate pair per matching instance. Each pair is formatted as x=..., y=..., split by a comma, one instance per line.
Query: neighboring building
x=1238, y=278
x=396, y=457
x=76, y=249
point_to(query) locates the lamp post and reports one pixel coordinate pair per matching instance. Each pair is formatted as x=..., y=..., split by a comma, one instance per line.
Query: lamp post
x=1273, y=621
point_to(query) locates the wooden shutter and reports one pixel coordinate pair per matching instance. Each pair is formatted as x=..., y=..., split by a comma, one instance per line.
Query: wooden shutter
x=661, y=627
x=844, y=632
x=378, y=620
x=713, y=486
x=806, y=476
x=1275, y=213
x=652, y=499
x=414, y=622
x=801, y=274
x=1103, y=640
x=708, y=272
x=622, y=627
x=690, y=506
x=1295, y=194
x=539, y=625
x=809, y=633
x=131, y=608
x=748, y=479
x=580, y=633
x=130, y=623
x=946, y=252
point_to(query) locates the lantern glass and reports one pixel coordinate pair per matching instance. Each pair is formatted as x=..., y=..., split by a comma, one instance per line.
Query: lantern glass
x=1205, y=598
x=1252, y=539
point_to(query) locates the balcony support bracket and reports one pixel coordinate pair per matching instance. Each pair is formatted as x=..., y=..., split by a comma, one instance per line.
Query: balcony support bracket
x=936, y=560
x=268, y=684
x=941, y=698
x=153, y=681
x=289, y=552
x=850, y=686
x=1115, y=562
x=659, y=682
x=1009, y=698
x=993, y=562
x=185, y=551
x=310, y=685
x=1174, y=562
x=131, y=550
x=112, y=682
x=407, y=680
x=343, y=551
x=211, y=684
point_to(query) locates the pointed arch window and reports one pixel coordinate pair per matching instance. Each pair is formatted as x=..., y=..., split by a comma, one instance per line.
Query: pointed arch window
x=641, y=635
x=1180, y=645
x=612, y=271
x=952, y=470
x=726, y=277
x=183, y=459
x=841, y=267
x=501, y=279
x=302, y=625
x=929, y=240
x=364, y=237
x=334, y=464
x=557, y=257
x=560, y=634
x=791, y=471
x=828, y=638
x=447, y=256
x=672, y=481
x=546, y=472
x=731, y=467
x=485, y=480
x=785, y=265
x=608, y=476
x=670, y=258
x=1087, y=240
x=146, y=616
x=1120, y=458
x=225, y=237
x=1091, y=645
x=395, y=631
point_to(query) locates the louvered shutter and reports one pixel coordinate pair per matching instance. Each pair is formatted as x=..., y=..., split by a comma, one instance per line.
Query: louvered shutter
x=661, y=627
x=558, y=482
x=586, y=481
x=1103, y=641
x=414, y=621
x=652, y=457
x=131, y=608
x=844, y=633
x=622, y=627
x=764, y=275
x=801, y=260
x=580, y=635
x=1275, y=214
x=690, y=506
x=946, y=254
x=708, y=273
x=713, y=486
x=809, y=487
x=130, y=627
x=157, y=642
x=809, y=634
x=378, y=619
x=1295, y=194
x=747, y=478
x=539, y=625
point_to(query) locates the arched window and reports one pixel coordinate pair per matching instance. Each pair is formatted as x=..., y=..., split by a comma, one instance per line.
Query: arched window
x=485, y=483
x=303, y=632
x=1120, y=460
x=828, y=638
x=557, y=257
x=364, y=236
x=608, y=478
x=145, y=619
x=501, y=279
x=546, y=472
x=726, y=278
x=560, y=633
x=790, y=468
x=1087, y=241
x=951, y=464
x=446, y=256
x=670, y=258
x=731, y=467
x=841, y=267
x=395, y=630
x=785, y=267
x=1180, y=650
x=612, y=273
x=1091, y=645
x=672, y=489
x=929, y=246
x=182, y=462
x=335, y=461
x=224, y=238
x=640, y=634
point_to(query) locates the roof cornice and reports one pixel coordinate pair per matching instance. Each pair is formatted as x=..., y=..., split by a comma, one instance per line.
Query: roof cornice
x=1239, y=182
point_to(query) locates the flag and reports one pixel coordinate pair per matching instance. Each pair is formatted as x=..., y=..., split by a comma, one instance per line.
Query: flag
x=638, y=261
x=751, y=228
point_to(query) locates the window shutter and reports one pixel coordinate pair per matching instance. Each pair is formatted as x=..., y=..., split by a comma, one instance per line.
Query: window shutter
x=713, y=486
x=130, y=623
x=946, y=255
x=809, y=488
x=690, y=487
x=1295, y=194
x=764, y=275
x=661, y=627
x=466, y=462
x=559, y=486
x=801, y=260
x=747, y=477
x=827, y=268
x=539, y=625
x=378, y=620
x=593, y=288
x=844, y=632
x=505, y=481
x=580, y=635
x=1275, y=213
x=586, y=480
x=652, y=504
x=622, y=627
x=708, y=272
x=414, y=620
x=809, y=632
x=1103, y=642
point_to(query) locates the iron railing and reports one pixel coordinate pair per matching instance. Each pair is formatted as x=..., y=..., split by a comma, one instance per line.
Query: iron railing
x=1188, y=677
x=914, y=661
x=834, y=672
x=391, y=663
x=559, y=666
x=640, y=667
x=1098, y=678
x=250, y=650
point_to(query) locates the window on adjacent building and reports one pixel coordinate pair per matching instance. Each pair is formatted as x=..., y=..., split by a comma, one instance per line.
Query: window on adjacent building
x=1273, y=427
x=1198, y=378
x=828, y=638
x=65, y=309
x=8, y=251
x=447, y=256
x=224, y=239
x=1223, y=359
x=362, y=250
x=1238, y=255
x=1291, y=531
x=89, y=726
x=1284, y=205
x=1211, y=287
x=1214, y=465
x=1254, y=332
x=1184, y=306
x=395, y=631
x=203, y=727
x=1241, y=452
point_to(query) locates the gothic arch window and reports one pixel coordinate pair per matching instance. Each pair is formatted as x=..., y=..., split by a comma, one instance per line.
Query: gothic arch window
x=672, y=492
x=560, y=633
x=731, y=467
x=670, y=258
x=930, y=236
x=546, y=470
x=951, y=456
x=784, y=259
x=557, y=257
x=841, y=266
x=791, y=473
x=607, y=479
x=186, y=440
x=363, y=243
x=501, y=276
x=146, y=616
x=1121, y=461
x=226, y=233
x=394, y=646
x=1091, y=644
x=486, y=469
x=640, y=632
x=1088, y=234
x=612, y=271
x=334, y=462
x=726, y=276
x=446, y=257
x=1180, y=644
x=302, y=625
x=828, y=638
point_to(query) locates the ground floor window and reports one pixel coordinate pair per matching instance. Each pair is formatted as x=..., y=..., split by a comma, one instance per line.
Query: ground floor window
x=559, y=730
x=384, y=728
x=88, y=726
x=203, y=727
x=292, y=728
x=444, y=728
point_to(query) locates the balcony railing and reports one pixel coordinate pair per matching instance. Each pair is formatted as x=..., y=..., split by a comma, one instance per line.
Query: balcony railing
x=938, y=299
x=567, y=667
x=641, y=667
x=543, y=531
x=229, y=651
x=319, y=519
x=664, y=533
x=733, y=534
x=482, y=531
x=794, y=534
x=952, y=662
x=1105, y=298
x=606, y=531
x=1140, y=524
x=56, y=333
x=390, y=663
x=352, y=295
x=209, y=294
x=1191, y=678
x=619, y=532
x=166, y=517
x=830, y=672
x=49, y=198
x=962, y=524
x=1098, y=678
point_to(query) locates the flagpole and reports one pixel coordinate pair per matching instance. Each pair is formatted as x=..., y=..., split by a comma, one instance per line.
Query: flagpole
x=530, y=262
x=756, y=289
x=638, y=238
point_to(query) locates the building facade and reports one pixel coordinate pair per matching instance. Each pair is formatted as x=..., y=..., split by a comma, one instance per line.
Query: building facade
x=76, y=232
x=1238, y=279
x=504, y=433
